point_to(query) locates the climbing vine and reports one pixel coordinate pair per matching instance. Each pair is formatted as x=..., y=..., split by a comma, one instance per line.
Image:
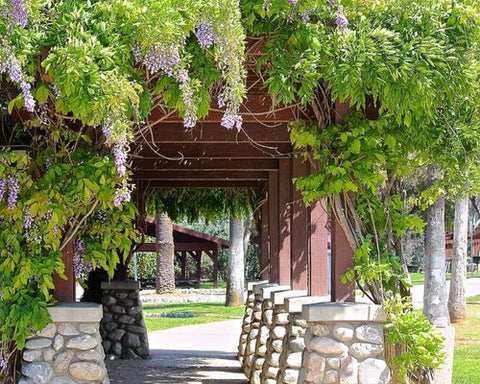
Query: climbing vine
x=406, y=73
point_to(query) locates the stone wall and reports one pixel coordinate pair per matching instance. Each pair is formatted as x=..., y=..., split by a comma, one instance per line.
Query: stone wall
x=344, y=344
x=246, y=325
x=251, y=343
x=122, y=328
x=68, y=350
x=265, y=327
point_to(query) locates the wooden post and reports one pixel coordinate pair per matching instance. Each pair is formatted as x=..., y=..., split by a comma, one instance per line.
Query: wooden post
x=342, y=254
x=198, y=256
x=264, y=244
x=273, y=227
x=183, y=264
x=215, y=268
x=299, y=230
x=284, y=207
x=318, y=282
x=64, y=290
x=342, y=260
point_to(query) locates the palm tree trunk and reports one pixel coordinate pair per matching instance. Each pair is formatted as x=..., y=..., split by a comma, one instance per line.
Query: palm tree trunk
x=457, y=303
x=165, y=279
x=435, y=291
x=236, y=265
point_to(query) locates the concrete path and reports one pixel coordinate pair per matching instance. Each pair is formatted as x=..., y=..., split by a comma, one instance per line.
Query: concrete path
x=193, y=354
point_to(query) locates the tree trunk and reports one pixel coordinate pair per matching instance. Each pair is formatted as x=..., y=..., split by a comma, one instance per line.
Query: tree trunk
x=435, y=291
x=236, y=266
x=247, y=234
x=165, y=279
x=457, y=303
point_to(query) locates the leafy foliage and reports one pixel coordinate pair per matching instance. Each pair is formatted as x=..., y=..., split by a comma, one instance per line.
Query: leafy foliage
x=195, y=203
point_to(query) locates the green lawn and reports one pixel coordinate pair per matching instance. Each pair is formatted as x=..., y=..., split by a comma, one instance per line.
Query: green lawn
x=204, y=313
x=418, y=278
x=466, y=363
x=209, y=285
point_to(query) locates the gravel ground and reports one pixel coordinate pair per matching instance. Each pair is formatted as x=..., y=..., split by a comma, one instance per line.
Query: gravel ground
x=183, y=296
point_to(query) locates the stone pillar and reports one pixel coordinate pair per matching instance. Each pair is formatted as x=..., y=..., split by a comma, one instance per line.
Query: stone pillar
x=123, y=330
x=247, y=319
x=344, y=344
x=277, y=333
x=290, y=360
x=250, y=345
x=68, y=350
x=265, y=326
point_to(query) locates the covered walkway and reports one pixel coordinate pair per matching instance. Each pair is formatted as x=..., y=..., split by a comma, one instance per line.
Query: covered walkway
x=193, y=354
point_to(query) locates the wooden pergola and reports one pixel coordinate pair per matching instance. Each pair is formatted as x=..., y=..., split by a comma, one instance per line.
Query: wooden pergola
x=294, y=237
x=189, y=242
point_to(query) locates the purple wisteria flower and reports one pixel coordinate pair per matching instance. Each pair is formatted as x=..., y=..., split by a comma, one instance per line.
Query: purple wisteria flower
x=13, y=191
x=122, y=195
x=206, y=35
x=292, y=2
x=231, y=120
x=107, y=128
x=160, y=58
x=78, y=257
x=3, y=361
x=27, y=96
x=342, y=21
x=3, y=188
x=120, y=153
x=19, y=13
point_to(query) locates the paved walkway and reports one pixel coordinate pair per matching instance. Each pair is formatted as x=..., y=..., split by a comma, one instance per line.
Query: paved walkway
x=193, y=354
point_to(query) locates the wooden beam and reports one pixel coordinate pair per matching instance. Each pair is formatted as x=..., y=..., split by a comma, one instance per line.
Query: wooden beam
x=273, y=227
x=215, y=134
x=160, y=165
x=199, y=150
x=157, y=184
x=300, y=224
x=284, y=210
x=342, y=260
x=180, y=247
x=200, y=175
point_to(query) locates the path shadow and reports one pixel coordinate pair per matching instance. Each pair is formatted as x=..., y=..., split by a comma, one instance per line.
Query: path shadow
x=178, y=366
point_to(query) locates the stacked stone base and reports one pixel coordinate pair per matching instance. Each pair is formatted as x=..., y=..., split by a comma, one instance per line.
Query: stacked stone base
x=122, y=328
x=67, y=351
x=350, y=351
x=246, y=325
x=290, y=360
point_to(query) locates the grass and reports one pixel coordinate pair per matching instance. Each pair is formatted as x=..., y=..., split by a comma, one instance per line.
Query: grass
x=204, y=313
x=418, y=278
x=209, y=285
x=466, y=362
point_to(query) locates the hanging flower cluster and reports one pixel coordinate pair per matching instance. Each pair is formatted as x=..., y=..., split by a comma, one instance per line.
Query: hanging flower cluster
x=10, y=65
x=80, y=267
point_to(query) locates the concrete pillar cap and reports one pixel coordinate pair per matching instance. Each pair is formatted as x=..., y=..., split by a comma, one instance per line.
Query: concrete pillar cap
x=294, y=304
x=328, y=312
x=76, y=313
x=252, y=284
x=257, y=289
x=128, y=285
x=266, y=291
x=278, y=298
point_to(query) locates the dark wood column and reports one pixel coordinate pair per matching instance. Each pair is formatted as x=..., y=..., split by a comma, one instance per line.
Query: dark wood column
x=183, y=264
x=342, y=254
x=342, y=260
x=273, y=226
x=318, y=282
x=284, y=208
x=299, y=230
x=264, y=244
x=198, y=257
x=215, y=268
x=64, y=290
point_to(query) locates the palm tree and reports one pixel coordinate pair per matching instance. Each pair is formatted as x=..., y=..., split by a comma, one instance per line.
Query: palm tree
x=165, y=277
